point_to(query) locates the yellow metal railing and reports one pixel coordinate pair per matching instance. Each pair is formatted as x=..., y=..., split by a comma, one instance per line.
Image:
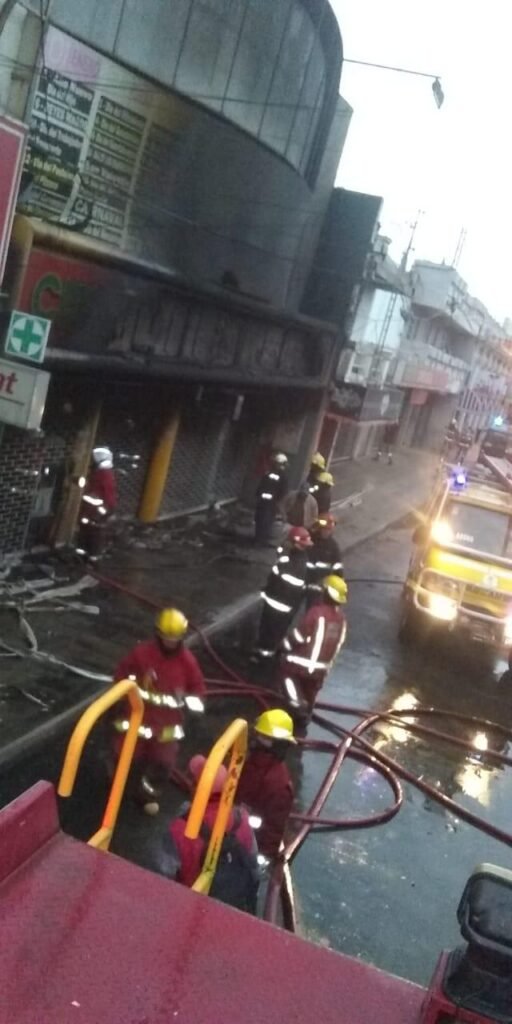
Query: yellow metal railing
x=234, y=739
x=101, y=839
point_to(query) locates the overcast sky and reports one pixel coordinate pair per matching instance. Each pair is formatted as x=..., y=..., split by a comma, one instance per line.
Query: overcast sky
x=456, y=163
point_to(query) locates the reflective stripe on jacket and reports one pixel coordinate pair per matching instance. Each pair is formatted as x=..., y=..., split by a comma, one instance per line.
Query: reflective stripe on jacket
x=286, y=581
x=311, y=646
x=165, y=681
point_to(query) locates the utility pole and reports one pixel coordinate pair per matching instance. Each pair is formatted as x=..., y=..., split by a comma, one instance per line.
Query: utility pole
x=460, y=245
x=407, y=251
x=391, y=306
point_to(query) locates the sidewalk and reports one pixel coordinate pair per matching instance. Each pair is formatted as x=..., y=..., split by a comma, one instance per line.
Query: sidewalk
x=214, y=578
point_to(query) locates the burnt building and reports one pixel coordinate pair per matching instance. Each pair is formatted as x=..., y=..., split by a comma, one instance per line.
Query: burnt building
x=179, y=162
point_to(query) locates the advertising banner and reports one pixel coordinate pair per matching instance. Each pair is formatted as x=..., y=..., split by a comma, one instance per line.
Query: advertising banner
x=12, y=142
x=101, y=145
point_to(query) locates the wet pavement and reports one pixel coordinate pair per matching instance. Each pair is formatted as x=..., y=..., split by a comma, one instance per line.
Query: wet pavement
x=207, y=565
x=390, y=894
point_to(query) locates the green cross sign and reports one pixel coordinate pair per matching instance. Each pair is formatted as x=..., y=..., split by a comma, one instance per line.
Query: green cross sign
x=27, y=336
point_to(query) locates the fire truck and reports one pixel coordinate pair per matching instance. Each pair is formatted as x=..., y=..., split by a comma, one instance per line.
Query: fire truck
x=88, y=937
x=460, y=573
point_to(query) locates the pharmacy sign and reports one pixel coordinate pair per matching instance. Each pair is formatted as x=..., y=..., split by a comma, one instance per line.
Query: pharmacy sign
x=27, y=336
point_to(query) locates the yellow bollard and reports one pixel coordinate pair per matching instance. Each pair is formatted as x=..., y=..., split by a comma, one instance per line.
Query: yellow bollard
x=127, y=688
x=158, y=471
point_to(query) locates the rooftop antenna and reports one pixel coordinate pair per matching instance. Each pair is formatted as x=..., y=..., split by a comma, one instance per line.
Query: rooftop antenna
x=460, y=245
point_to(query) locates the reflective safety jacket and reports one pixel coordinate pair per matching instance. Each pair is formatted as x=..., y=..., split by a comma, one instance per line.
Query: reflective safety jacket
x=286, y=581
x=102, y=484
x=99, y=497
x=273, y=486
x=266, y=788
x=166, y=680
x=324, y=558
x=312, y=646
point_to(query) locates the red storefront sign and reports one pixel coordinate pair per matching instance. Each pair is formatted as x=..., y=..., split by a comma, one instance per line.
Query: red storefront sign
x=64, y=288
x=12, y=144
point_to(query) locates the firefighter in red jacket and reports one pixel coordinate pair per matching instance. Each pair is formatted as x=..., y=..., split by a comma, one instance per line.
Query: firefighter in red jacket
x=311, y=647
x=170, y=681
x=265, y=785
x=182, y=858
x=99, y=502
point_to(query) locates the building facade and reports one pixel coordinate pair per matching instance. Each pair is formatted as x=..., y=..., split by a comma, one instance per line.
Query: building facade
x=416, y=347
x=174, y=188
x=462, y=349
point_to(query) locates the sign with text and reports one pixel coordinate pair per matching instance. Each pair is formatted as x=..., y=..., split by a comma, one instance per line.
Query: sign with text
x=27, y=336
x=97, y=150
x=23, y=391
x=115, y=313
x=12, y=144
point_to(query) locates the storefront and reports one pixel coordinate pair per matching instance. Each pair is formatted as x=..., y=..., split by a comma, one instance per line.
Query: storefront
x=362, y=415
x=139, y=362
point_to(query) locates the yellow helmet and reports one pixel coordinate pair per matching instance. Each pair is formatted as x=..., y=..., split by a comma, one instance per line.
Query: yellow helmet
x=172, y=623
x=276, y=724
x=326, y=478
x=318, y=460
x=336, y=588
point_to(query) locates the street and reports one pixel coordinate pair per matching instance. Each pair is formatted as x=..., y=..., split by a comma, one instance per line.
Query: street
x=389, y=894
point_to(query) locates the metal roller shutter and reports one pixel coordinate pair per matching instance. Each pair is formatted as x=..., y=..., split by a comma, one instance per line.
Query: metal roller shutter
x=211, y=457
x=194, y=458
x=33, y=467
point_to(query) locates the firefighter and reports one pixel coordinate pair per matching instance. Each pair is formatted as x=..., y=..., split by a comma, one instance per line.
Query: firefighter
x=170, y=680
x=324, y=558
x=323, y=493
x=236, y=876
x=284, y=591
x=265, y=786
x=272, y=489
x=317, y=466
x=98, y=504
x=311, y=647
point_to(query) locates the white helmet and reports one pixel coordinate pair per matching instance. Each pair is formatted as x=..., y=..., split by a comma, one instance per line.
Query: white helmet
x=280, y=458
x=103, y=458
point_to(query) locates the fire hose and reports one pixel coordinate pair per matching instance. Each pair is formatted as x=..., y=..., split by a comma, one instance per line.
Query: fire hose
x=349, y=743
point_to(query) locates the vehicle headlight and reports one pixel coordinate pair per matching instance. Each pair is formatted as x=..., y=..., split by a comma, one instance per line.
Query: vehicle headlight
x=442, y=607
x=507, y=630
x=441, y=532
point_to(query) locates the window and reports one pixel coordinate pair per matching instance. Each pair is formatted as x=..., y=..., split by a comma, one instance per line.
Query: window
x=479, y=528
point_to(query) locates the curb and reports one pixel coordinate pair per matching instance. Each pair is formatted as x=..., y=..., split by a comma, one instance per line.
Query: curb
x=230, y=615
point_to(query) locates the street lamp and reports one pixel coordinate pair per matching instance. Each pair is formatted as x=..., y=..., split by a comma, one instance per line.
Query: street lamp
x=437, y=89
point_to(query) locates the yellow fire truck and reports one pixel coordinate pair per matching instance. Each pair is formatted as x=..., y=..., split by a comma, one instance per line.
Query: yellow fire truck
x=460, y=573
